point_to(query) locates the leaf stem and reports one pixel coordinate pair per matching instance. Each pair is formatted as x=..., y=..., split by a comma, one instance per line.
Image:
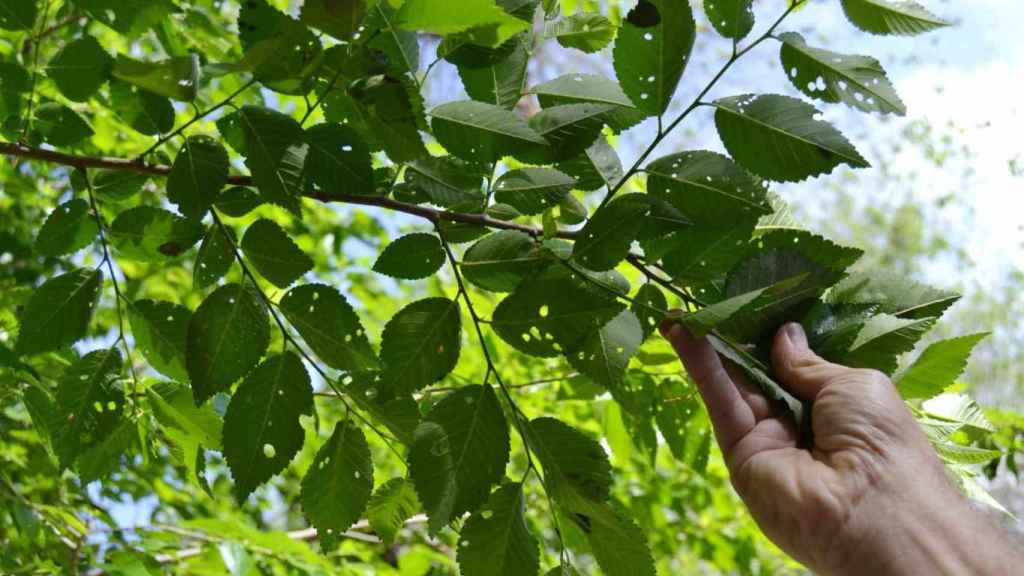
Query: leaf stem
x=199, y=115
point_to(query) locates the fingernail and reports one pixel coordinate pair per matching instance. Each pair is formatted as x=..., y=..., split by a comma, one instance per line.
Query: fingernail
x=796, y=334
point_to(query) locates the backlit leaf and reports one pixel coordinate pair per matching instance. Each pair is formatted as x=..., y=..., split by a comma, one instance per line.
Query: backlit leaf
x=586, y=31
x=500, y=261
x=391, y=505
x=161, y=331
x=496, y=540
x=329, y=326
x=274, y=254
x=89, y=403
x=937, y=367
x=420, y=345
x=482, y=132
x=902, y=17
x=411, y=257
x=150, y=234
x=337, y=486
x=532, y=190
x=80, y=68
x=215, y=257
x=68, y=229
x=199, y=172
x=731, y=18
x=58, y=312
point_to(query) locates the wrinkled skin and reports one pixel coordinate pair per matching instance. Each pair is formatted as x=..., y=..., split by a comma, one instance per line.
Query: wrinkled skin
x=868, y=496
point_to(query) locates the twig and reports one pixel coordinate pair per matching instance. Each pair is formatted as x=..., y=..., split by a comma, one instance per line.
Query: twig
x=30, y=110
x=695, y=103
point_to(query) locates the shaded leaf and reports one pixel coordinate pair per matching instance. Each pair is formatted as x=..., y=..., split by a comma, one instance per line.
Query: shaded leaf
x=329, y=326
x=161, y=331
x=883, y=339
x=58, y=312
x=176, y=78
x=146, y=113
x=68, y=229
x=80, y=68
x=199, y=172
x=273, y=253
x=605, y=354
x=500, y=261
x=731, y=18
x=411, y=257
x=605, y=241
x=496, y=541
x=60, y=125
x=586, y=31
x=338, y=162
x=905, y=18
x=651, y=52
x=446, y=180
x=391, y=505
x=337, y=486
x=273, y=154
x=481, y=132
x=215, y=257
x=150, y=234
x=532, y=190
x=89, y=403
x=502, y=82
x=339, y=18
x=420, y=345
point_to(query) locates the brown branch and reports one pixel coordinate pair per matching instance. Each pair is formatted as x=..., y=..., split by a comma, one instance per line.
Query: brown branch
x=431, y=214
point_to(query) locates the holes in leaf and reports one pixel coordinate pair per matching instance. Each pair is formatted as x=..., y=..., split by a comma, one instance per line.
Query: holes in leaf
x=269, y=451
x=644, y=15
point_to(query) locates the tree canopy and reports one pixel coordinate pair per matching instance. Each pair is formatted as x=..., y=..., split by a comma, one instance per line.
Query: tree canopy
x=267, y=308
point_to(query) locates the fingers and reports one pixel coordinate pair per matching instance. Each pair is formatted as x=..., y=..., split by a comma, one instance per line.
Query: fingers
x=802, y=371
x=730, y=414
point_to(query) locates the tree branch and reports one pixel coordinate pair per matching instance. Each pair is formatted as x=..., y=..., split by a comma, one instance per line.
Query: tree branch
x=431, y=214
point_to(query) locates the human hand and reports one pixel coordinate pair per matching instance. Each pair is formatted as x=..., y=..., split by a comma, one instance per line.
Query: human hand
x=869, y=496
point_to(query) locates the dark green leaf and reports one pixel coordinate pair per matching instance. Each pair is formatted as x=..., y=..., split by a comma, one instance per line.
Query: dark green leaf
x=199, y=172
x=146, y=113
x=329, y=326
x=391, y=505
x=80, y=68
x=731, y=18
x=401, y=46
x=129, y=17
x=215, y=257
x=905, y=18
x=274, y=254
x=571, y=458
x=420, y=345
x=273, y=154
x=104, y=457
x=597, y=167
x=58, y=312
x=532, y=190
x=502, y=82
x=261, y=427
x=68, y=229
x=584, y=31
x=481, y=132
x=339, y=18
x=652, y=50
x=89, y=403
x=605, y=354
x=500, y=261
x=569, y=129
x=681, y=418
x=18, y=14
x=176, y=78
x=553, y=312
x=337, y=486
x=459, y=451
x=857, y=81
x=238, y=201
x=153, y=234
x=280, y=51
x=411, y=257
x=757, y=372
x=649, y=305
x=60, y=125
x=699, y=323
x=882, y=340
x=937, y=368
x=399, y=414
x=605, y=240
x=338, y=162
x=779, y=138
x=117, y=185
x=496, y=540
x=227, y=336
x=446, y=180
x=575, y=88
x=161, y=331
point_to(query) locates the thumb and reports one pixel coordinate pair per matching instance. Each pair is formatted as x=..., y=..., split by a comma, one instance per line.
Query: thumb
x=802, y=371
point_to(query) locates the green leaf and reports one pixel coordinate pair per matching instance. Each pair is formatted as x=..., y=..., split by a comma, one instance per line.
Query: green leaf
x=459, y=451
x=104, y=457
x=129, y=17
x=227, y=336
x=117, y=185
x=89, y=403
x=175, y=78
x=500, y=261
x=488, y=24
x=199, y=172
x=649, y=305
x=273, y=153
x=597, y=167
x=651, y=52
x=481, y=132
x=553, y=312
x=17, y=83
x=215, y=257
x=282, y=53
x=60, y=125
x=778, y=137
x=604, y=242
x=496, y=540
x=757, y=373
x=411, y=257
x=703, y=321
x=391, y=505
x=571, y=88
x=532, y=190
x=958, y=409
x=447, y=181
x=68, y=229
x=893, y=294
x=329, y=326
x=174, y=408
x=857, y=81
x=722, y=200
x=733, y=19
x=18, y=14
x=682, y=420
x=402, y=47
x=605, y=354
x=571, y=458
x=502, y=82
x=420, y=345
x=586, y=31
x=569, y=129
x=882, y=340
x=161, y=331
x=338, y=162
x=937, y=368
x=339, y=18
x=337, y=486
x=58, y=312
x=904, y=18
x=153, y=234
x=80, y=68
x=146, y=113
x=261, y=427
x=273, y=253
x=238, y=201
x=400, y=414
